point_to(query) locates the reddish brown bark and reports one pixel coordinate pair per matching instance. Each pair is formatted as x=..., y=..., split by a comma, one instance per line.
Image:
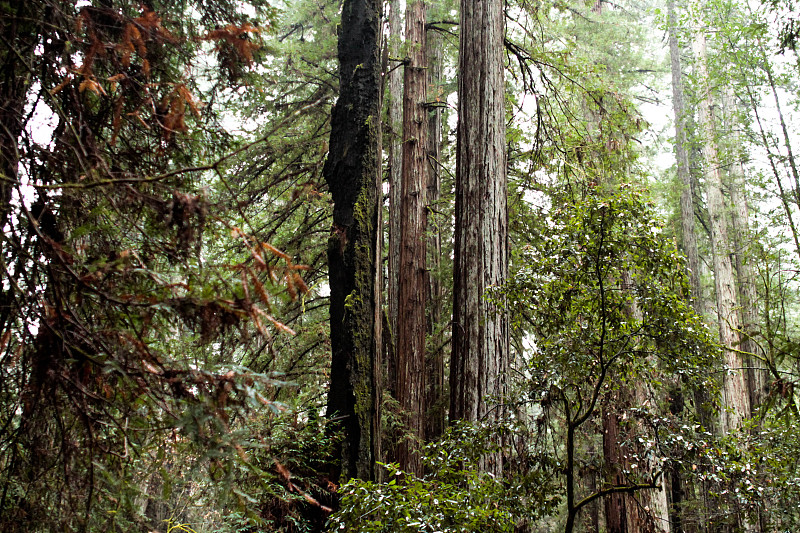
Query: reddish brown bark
x=480, y=329
x=614, y=505
x=411, y=328
x=435, y=402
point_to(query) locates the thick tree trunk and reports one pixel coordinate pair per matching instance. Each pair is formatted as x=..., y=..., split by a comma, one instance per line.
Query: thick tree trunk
x=352, y=172
x=743, y=240
x=614, y=505
x=480, y=329
x=647, y=509
x=411, y=329
x=651, y=513
x=689, y=235
x=435, y=403
x=736, y=400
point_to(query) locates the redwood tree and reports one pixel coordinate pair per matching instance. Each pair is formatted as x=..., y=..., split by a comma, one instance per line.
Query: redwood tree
x=411, y=330
x=480, y=330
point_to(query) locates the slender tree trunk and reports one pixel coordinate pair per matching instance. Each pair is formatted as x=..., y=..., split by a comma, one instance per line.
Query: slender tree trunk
x=352, y=172
x=395, y=126
x=782, y=120
x=411, y=328
x=735, y=390
x=480, y=329
x=689, y=237
x=435, y=400
x=772, y=157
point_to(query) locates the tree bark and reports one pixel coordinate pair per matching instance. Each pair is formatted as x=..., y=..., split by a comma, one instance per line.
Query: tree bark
x=614, y=505
x=435, y=403
x=395, y=126
x=688, y=237
x=752, y=355
x=735, y=390
x=480, y=328
x=352, y=172
x=411, y=328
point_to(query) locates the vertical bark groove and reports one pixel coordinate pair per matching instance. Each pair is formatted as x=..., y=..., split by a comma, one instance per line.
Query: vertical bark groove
x=742, y=240
x=395, y=124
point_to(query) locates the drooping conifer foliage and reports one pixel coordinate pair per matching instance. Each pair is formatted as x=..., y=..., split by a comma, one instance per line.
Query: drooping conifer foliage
x=136, y=281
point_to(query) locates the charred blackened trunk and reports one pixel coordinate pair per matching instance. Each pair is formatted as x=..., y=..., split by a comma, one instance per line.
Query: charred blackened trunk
x=352, y=172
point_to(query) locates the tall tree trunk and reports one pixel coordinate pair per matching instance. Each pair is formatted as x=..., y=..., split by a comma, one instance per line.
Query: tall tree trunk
x=752, y=355
x=411, y=329
x=742, y=239
x=480, y=329
x=688, y=237
x=679, y=485
x=435, y=400
x=352, y=172
x=735, y=391
x=395, y=126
